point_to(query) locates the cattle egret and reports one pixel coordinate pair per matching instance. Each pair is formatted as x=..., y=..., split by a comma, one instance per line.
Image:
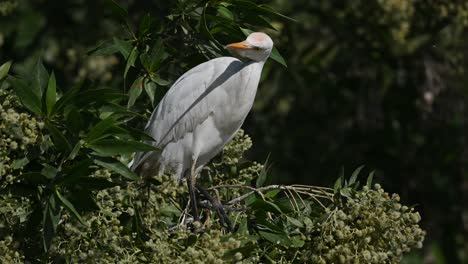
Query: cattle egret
x=202, y=112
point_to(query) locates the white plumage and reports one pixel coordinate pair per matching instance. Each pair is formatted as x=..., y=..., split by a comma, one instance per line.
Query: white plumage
x=203, y=110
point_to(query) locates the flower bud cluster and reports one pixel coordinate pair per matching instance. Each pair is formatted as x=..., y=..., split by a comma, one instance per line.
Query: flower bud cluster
x=18, y=131
x=370, y=227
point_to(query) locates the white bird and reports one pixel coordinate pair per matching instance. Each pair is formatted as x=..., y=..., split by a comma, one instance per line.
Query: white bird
x=202, y=112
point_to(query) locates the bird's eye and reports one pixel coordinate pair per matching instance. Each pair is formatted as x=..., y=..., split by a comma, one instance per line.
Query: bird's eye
x=257, y=48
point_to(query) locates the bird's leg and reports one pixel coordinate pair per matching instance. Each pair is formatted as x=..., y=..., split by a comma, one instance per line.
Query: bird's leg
x=217, y=207
x=191, y=187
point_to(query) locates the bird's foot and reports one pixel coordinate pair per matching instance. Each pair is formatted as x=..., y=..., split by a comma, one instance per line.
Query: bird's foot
x=218, y=208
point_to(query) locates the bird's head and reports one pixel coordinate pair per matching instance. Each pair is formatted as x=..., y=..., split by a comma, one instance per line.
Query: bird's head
x=256, y=47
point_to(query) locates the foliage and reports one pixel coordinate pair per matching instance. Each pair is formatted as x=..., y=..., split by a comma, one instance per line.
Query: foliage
x=67, y=195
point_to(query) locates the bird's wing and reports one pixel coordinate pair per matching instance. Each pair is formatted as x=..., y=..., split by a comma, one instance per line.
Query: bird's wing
x=189, y=102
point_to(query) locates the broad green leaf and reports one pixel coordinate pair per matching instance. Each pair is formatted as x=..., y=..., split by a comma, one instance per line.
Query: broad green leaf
x=51, y=217
x=127, y=132
x=260, y=9
x=19, y=163
x=104, y=49
x=116, y=9
x=51, y=94
x=75, y=123
x=111, y=147
x=369, y=179
x=262, y=177
x=75, y=150
x=145, y=25
x=4, y=69
x=80, y=170
x=83, y=200
x=69, y=206
x=95, y=183
x=346, y=192
x=135, y=91
x=157, y=79
x=124, y=47
x=295, y=221
x=117, y=167
x=131, y=60
x=297, y=242
x=49, y=171
x=65, y=99
x=275, y=238
x=27, y=97
x=60, y=141
x=272, y=193
x=355, y=174
x=100, y=128
x=150, y=89
x=93, y=96
x=152, y=59
x=40, y=79
x=276, y=56
x=338, y=184
x=266, y=206
x=224, y=12
x=34, y=178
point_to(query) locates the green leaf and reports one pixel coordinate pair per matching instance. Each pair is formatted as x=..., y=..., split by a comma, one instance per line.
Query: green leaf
x=295, y=221
x=262, y=177
x=157, y=79
x=272, y=193
x=93, y=96
x=19, y=163
x=259, y=9
x=117, y=167
x=338, y=184
x=145, y=25
x=131, y=60
x=150, y=89
x=355, y=174
x=69, y=206
x=4, y=69
x=51, y=217
x=95, y=183
x=152, y=59
x=49, y=171
x=111, y=147
x=116, y=9
x=276, y=56
x=224, y=12
x=34, y=178
x=346, y=192
x=60, y=141
x=297, y=242
x=135, y=91
x=25, y=94
x=100, y=128
x=51, y=94
x=65, y=99
x=75, y=150
x=105, y=48
x=275, y=238
x=266, y=206
x=80, y=170
x=40, y=79
x=369, y=179
x=124, y=47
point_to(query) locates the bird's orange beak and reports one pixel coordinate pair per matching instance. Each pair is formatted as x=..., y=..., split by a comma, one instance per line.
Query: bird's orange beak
x=243, y=45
